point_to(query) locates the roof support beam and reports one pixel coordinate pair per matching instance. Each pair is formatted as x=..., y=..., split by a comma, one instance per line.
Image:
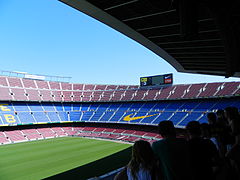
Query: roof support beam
x=120, y=5
x=200, y=32
x=180, y=42
x=148, y=15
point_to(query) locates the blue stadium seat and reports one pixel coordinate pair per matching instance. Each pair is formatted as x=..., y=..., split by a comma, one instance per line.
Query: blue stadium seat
x=58, y=106
x=189, y=105
x=125, y=106
x=93, y=107
x=26, y=118
x=103, y=107
x=53, y=116
x=96, y=116
x=76, y=107
x=20, y=107
x=48, y=107
x=193, y=116
x=149, y=120
x=147, y=106
x=174, y=106
x=75, y=116
x=67, y=107
x=203, y=118
x=163, y=116
x=35, y=107
x=87, y=115
x=117, y=116
x=222, y=104
x=236, y=104
x=114, y=106
x=107, y=115
x=161, y=105
x=84, y=107
x=135, y=106
x=205, y=105
x=177, y=117
x=41, y=117
x=63, y=116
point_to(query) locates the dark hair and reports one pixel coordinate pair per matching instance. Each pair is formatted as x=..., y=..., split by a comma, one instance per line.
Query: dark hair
x=142, y=154
x=193, y=127
x=212, y=118
x=166, y=128
x=234, y=119
x=205, y=130
x=220, y=112
x=232, y=112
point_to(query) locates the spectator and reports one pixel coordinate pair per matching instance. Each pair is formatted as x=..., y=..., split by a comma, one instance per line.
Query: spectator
x=224, y=137
x=205, y=131
x=212, y=118
x=233, y=119
x=173, y=153
x=218, y=131
x=233, y=154
x=143, y=164
x=203, y=153
x=221, y=117
x=212, y=121
x=207, y=134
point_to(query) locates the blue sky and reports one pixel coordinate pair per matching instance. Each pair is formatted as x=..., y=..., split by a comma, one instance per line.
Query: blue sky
x=49, y=37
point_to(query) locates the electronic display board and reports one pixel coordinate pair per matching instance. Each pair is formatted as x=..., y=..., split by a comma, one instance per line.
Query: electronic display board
x=156, y=80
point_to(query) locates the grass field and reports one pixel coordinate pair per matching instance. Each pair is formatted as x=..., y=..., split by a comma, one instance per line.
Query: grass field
x=44, y=158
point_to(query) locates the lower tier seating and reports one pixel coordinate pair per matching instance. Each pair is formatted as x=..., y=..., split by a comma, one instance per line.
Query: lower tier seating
x=13, y=136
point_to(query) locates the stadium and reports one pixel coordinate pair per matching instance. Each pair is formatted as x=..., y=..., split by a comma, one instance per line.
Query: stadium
x=46, y=123
x=36, y=109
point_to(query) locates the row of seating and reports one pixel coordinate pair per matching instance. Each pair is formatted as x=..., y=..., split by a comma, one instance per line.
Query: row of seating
x=53, y=85
x=29, y=90
x=7, y=137
x=180, y=112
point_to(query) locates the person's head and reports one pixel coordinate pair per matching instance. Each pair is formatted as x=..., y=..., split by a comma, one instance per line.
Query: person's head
x=212, y=118
x=142, y=154
x=193, y=129
x=231, y=113
x=221, y=117
x=220, y=113
x=205, y=130
x=166, y=129
x=233, y=118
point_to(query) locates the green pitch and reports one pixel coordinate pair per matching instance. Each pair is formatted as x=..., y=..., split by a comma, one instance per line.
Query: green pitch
x=44, y=158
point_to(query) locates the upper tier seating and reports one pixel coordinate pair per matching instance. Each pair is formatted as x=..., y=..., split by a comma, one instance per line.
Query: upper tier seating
x=5, y=94
x=12, y=88
x=27, y=83
x=14, y=82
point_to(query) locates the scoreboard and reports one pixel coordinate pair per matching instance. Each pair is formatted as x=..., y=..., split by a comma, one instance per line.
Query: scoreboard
x=156, y=80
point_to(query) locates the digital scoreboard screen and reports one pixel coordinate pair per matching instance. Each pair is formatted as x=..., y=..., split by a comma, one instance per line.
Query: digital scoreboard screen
x=156, y=80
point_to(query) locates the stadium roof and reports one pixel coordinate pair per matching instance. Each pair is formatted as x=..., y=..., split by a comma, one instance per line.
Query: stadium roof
x=193, y=36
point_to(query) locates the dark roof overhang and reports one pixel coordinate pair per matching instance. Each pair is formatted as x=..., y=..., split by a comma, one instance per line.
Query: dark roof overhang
x=193, y=36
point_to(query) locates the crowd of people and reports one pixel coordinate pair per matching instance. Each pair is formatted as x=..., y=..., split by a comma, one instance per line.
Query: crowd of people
x=209, y=151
